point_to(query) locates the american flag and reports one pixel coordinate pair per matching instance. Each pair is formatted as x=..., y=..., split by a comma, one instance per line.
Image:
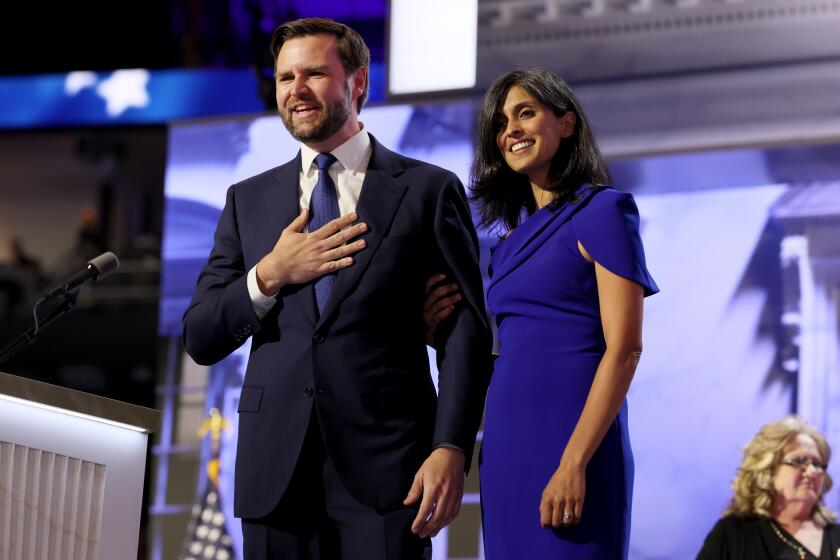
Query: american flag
x=207, y=536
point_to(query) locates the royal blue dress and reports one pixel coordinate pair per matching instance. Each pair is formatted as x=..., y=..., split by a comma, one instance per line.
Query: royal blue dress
x=544, y=298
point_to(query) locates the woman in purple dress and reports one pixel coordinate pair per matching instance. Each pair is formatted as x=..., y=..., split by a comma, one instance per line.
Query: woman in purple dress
x=567, y=284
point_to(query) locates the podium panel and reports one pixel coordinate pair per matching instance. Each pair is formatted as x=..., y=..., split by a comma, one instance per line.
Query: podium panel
x=71, y=472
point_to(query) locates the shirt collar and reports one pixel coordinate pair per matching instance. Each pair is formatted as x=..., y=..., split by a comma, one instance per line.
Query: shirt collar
x=350, y=154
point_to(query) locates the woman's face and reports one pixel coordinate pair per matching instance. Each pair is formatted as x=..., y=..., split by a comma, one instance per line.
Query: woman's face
x=529, y=134
x=802, y=480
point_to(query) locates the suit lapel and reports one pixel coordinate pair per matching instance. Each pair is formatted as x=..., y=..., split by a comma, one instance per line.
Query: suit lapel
x=380, y=197
x=281, y=201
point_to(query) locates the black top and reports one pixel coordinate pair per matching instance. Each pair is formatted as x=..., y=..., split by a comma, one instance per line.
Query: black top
x=752, y=538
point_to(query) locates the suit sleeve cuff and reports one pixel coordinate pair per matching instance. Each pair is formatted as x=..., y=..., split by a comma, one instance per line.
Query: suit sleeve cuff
x=450, y=446
x=261, y=303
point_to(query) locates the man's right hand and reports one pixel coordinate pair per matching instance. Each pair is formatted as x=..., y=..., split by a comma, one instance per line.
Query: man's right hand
x=299, y=257
x=438, y=305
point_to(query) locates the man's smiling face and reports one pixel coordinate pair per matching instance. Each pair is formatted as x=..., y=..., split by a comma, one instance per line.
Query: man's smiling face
x=314, y=94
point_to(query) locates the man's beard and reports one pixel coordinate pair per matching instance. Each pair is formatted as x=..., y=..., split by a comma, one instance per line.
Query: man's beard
x=333, y=117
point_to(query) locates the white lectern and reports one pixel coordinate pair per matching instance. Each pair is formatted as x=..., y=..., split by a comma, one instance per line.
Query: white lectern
x=71, y=472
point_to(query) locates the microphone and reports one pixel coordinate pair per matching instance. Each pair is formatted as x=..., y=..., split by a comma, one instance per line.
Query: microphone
x=97, y=268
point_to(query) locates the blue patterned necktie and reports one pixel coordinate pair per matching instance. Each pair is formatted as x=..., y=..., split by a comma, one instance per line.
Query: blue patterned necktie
x=324, y=207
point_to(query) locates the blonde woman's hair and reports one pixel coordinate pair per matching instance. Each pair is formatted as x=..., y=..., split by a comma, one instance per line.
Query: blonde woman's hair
x=753, y=484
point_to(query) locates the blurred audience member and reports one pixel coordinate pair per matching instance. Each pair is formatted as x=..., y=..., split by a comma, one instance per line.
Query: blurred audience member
x=20, y=259
x=90, y=241
x=20, y=277
x=777, y=509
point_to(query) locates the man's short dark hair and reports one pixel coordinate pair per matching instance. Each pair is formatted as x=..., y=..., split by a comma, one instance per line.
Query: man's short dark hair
x=352, y=50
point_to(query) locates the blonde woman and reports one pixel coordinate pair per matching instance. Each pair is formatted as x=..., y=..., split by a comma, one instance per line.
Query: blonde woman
x=777, y=509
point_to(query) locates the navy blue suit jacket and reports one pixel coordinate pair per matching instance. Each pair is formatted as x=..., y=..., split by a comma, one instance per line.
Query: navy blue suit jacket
x=361, y=365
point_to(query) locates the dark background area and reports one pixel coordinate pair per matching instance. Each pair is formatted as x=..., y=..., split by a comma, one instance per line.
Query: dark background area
x=68, y=196
x=155, y=34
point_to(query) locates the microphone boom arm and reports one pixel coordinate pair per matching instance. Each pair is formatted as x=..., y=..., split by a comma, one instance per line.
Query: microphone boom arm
x=28, y=337
x=96, y=269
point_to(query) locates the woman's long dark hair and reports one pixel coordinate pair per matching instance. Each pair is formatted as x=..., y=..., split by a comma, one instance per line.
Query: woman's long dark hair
x=501, y=193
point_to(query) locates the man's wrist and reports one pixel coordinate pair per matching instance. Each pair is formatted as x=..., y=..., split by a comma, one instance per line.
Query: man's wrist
x=261, y=303
x=450, y=447
x=267, y=288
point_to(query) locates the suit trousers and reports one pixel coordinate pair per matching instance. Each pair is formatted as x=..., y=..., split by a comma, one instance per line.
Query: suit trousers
x=319, y=519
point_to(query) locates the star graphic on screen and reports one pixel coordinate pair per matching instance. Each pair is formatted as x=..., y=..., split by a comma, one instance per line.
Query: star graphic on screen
x=123, y=90
x=77, y=81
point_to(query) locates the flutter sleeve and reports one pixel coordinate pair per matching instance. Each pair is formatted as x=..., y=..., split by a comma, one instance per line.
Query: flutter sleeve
x=608, y=228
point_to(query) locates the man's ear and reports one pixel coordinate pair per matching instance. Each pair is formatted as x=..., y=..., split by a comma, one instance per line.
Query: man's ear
x=567, y=124
x=358, y=83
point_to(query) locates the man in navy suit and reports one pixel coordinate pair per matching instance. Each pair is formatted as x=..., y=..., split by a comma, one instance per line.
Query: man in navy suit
x=344, y=450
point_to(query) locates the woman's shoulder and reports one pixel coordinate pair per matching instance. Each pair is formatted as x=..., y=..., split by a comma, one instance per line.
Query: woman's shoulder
x=600, y=204
x=732, y=537
x=739, y=522
x=604, y=199
x=608, y=227
x=736, y=527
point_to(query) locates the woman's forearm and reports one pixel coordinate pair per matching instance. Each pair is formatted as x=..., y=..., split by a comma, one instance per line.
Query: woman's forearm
x=608, y=391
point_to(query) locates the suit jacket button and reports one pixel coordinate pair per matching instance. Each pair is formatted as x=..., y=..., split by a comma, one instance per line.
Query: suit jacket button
x=319, y=338
x=308, y=391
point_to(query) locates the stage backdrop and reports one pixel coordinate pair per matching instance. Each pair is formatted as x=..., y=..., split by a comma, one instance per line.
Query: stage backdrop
x=721, y=341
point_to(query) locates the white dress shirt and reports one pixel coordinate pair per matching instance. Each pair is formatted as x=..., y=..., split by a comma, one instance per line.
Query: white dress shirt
x=347, y=173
